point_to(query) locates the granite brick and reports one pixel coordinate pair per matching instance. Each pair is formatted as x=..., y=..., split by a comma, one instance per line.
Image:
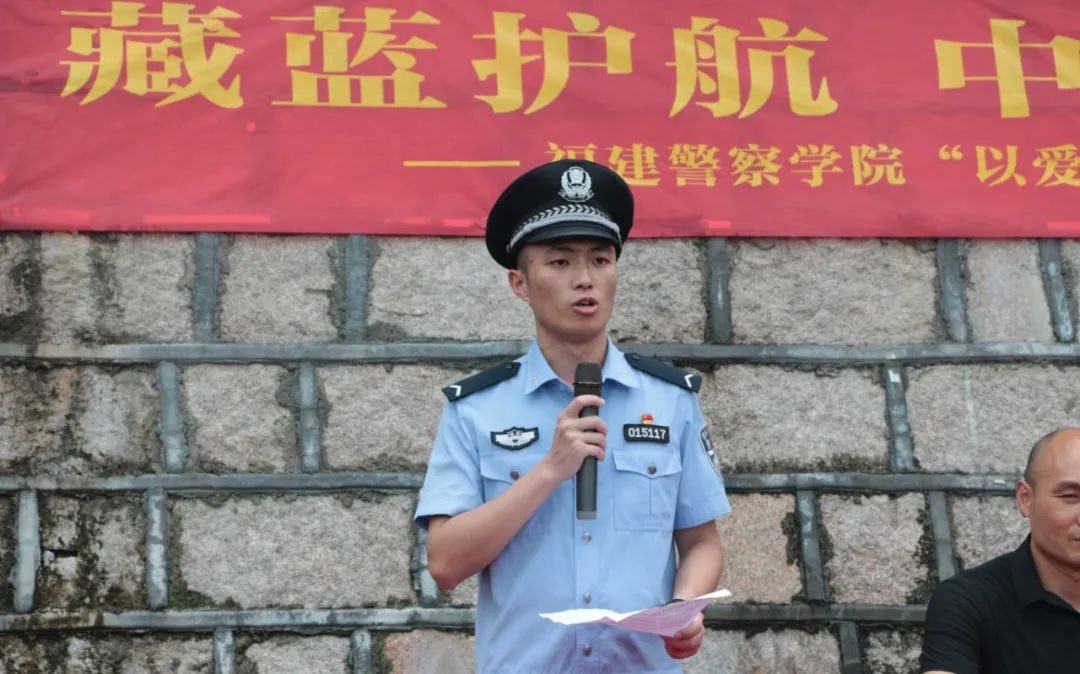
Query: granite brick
x=984, y=418
x=70, y=308
x=765, y=652
x=114, y=654
x=892, y=652
x=766, y=418
x=875, y=547
x=240, y=419
x=116, y=288
x=294, y=551
x=985, y=527
x=429, y=652
x=833, y=291
x=1005, y=297
x=83, y=420
x=20, y=282
x=661, y=292
x=91, y=552
x=382, y=417
x=760, y=551
x=280, y=289
x=446, y=288
x=292, y=654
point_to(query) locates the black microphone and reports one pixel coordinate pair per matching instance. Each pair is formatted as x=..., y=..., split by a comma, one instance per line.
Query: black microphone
x=587, y=380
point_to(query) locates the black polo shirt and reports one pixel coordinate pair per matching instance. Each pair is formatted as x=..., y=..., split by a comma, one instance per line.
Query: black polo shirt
x=998, y=619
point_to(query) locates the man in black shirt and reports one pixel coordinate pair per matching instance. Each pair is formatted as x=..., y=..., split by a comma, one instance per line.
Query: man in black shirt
x=1019, y=612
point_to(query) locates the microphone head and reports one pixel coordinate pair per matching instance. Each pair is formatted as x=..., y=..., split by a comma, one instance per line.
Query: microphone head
x=588, y=373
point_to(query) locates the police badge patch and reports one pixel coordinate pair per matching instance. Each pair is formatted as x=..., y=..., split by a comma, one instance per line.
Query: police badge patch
x=645, y=433
x=709, y=449
x=515, y=438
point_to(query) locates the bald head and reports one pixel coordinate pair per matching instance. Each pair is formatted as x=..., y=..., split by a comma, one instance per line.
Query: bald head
x=1047, y=444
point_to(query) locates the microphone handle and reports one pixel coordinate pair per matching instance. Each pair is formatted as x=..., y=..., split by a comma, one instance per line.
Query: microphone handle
x=586, y=475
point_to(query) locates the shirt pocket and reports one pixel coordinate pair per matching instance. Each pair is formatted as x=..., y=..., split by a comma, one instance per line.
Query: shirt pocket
x=500, y=470
x=646, y=487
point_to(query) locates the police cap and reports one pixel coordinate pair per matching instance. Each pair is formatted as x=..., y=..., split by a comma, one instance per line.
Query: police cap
x=564, y=199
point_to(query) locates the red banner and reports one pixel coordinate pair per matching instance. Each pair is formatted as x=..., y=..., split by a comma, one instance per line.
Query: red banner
x=845, y=118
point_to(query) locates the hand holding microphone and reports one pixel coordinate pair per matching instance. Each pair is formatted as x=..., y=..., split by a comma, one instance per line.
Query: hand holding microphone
x=580, y=434
x=587, y=380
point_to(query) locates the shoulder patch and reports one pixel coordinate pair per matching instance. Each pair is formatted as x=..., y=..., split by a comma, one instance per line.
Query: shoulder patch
x=661, y=370
x=481, y=381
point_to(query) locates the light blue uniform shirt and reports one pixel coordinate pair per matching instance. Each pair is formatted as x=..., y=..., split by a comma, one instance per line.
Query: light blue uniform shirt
x=622, y=560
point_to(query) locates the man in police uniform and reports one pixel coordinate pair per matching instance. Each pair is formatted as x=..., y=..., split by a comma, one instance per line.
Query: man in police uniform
x=499, y=495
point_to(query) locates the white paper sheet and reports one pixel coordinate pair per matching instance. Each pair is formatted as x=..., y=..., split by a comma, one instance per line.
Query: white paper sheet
x=662, y=620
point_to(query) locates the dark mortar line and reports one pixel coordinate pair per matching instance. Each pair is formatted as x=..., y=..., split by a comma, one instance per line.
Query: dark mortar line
x=944, y=554
x=207, y=280
x=308, y=432
x=357, y=268
x=27, y=551
x=224, y=651
x=1057, y=296
x=810, y=547
x=441, y=352
x=156, y=507
x=273, y=482
x=718, y=257
x=173, y=441
x=850, y=652
x=429, y=591
x=406, y=618
x=901, y=452
x=362, y=656
x=951, y=286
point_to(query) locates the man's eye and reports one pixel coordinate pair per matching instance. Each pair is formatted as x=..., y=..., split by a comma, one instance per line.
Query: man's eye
x=559, y=263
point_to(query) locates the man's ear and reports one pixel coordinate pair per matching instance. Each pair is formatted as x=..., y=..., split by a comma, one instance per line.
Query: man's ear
x=519, y=284
x=1023, y=497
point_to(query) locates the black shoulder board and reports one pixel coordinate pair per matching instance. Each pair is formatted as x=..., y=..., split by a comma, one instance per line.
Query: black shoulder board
x=481, y=381
x=661, y=370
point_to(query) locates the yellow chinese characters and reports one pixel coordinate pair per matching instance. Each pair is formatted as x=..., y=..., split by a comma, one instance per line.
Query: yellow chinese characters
x=508, y=64
x=871, y=164
x=753, y=164
x=338, y=78
x=169, y=56
x=694, y=164
x=706, y=62
x=817, y=160
x=989, y=169
x=1009, y=71
x=1060, y=165
x=560, y=152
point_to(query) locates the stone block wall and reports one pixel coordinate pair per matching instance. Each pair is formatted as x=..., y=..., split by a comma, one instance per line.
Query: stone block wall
x=210, y=445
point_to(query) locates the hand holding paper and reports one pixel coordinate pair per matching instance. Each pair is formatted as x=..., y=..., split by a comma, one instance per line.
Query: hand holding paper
x=663, y=620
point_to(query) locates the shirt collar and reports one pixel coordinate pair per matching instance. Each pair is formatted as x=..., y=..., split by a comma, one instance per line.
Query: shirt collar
x=1029, y=589
x=538, y=372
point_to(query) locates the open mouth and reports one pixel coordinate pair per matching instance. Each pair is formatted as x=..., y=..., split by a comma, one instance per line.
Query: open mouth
x=586, y=306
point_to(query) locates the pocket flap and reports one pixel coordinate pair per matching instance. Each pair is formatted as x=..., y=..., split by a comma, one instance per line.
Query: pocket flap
x=647, y=461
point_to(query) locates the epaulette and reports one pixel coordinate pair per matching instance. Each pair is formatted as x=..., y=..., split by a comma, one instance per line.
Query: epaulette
x=661, y=370
x=481, y=381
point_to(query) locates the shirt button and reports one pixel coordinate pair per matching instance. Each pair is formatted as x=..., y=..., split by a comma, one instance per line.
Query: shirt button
x=514, y=475
x=586, y=537
x=586, y=650
x=652, y=470
x=587, y=597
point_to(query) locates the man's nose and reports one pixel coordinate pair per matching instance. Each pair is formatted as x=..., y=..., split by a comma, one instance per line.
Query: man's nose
x=583, y=277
